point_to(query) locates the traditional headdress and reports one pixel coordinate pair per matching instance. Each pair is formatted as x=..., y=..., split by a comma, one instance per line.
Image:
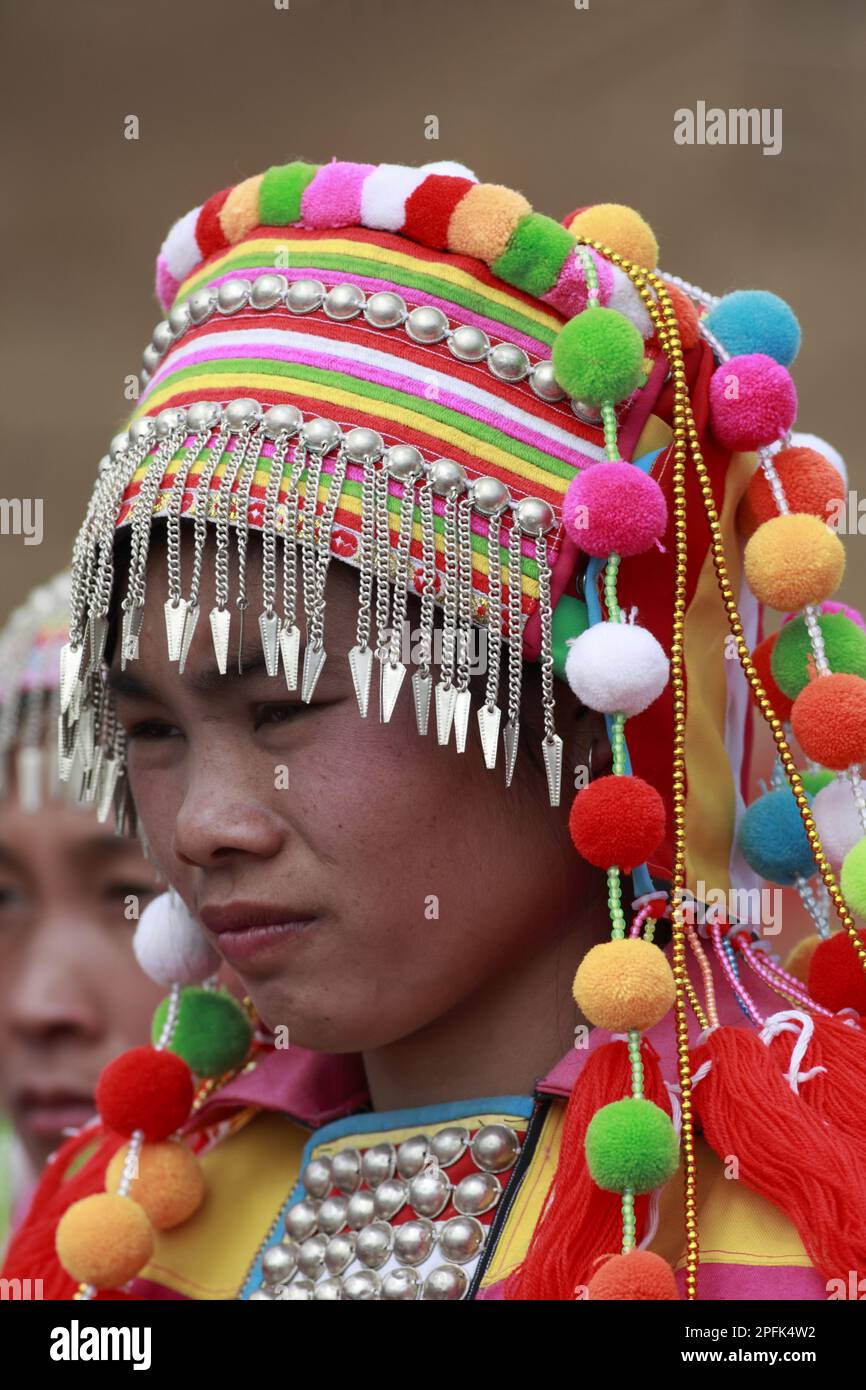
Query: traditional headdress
x=30, y=646
x=550, y=442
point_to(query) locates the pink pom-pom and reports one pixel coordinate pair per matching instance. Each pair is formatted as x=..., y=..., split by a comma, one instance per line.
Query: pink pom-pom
x=614, y=508
x=831, y=606
x=166, y=285
x=752, y=402
x=333, y=196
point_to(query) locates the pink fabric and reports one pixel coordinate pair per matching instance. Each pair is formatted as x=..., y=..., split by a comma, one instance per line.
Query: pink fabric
x=333, y=197
x=166, y=285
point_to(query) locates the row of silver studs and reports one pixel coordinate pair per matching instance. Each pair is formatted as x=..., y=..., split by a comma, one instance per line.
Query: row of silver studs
x=424, y=324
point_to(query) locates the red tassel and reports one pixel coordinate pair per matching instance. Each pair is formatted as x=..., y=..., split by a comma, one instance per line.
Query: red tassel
x=786, y=1151
x=31, y=1253
x=580, y=1222
x=837, y=1096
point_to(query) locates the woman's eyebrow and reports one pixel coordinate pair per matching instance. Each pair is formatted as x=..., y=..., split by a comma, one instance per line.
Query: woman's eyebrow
x=203, y=680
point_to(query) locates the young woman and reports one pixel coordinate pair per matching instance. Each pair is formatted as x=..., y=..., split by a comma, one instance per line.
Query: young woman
x=72, y=995
x=486, y=767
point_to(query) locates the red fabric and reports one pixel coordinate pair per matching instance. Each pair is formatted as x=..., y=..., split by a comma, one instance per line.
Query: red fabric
x=429, y=208
x=208, y=232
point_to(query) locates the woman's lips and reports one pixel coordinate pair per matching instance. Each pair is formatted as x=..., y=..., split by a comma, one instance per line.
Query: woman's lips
x=50, y=1113
x=247, y=931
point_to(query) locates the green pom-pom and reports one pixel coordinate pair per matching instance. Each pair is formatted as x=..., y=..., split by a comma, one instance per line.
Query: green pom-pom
x=815, y=779
x=281, y=192
x=212, y=1033
x=631, y=1144
x=598, y=357
x=852, y=879
x=535, y=254
x=791, y=659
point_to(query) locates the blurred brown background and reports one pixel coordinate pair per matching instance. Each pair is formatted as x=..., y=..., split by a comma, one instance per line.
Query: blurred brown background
x=571, y=106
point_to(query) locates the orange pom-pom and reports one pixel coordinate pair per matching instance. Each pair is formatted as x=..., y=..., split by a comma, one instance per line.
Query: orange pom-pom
x=624, y=984
x=793, y=560
x=104, y=1240
x=620, y=228
x=811, y=485
x=829, y=720
x=781, y=703
x=169, y=1185
x=639, y=1274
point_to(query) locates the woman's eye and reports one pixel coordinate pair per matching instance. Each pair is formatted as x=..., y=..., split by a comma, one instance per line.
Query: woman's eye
x=276, y=714
x=151, y=729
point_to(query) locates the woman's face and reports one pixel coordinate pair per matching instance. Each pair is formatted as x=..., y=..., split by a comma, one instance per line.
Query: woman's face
x=361, y=879
x=72, y=995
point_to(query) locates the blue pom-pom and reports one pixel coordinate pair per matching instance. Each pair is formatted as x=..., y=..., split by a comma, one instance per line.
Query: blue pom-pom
x=755, y=321
x=773, y=839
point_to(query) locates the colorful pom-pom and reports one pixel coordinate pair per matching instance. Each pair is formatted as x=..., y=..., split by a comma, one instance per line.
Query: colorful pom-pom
x=815, y=779
x=281, y=191
x=617, y=668
x=636, y=1275
x=617, y=822
x=801, y=440
x=536, y=252
x=752, y=402
x=621, y=229
x=624, y=984
x=836, y=977
x=614, y=508
x=631, y=1143
x=212, y=1033
x=773, y=839
x=762, y=658
x=837, y=819
x=750, y=321
x=793, y=660
x=793, y=560
x=104, y=1240
x=147, y=1090
x=687, y=317
x=809, y=483
x=168, y=1184
x=598, y=357
x=852, y=880
x=170, y=946
x=483, y=221
x=829, y=720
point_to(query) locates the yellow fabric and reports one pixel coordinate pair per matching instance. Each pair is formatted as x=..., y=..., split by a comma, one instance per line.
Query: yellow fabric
x=248, y=1177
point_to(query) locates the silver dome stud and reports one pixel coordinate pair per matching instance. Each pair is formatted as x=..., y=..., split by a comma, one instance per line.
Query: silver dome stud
x=427, y=324
x=544, y=383
x=311, y=1255
x=303, y=296
x=468, y=344
x=340, y=1252
x=364, y=445
x=490, y=496
x=280, y=1262
x=151, y=358
x=384, y=309
x=169, y=420
x=412, y=1155
x=302, y=1219
x=328, y=1290
x=378, y=1163
x=332, y=1215
x=404, y=462
x=429, y=1192
x=362, y=1286
x=233, y=295
x=461, y=1239
x=414, y=1241
x=243, y=411
x=346, y=1170
x=320, y=435
x=446, y=1284
x=162, y=337
x=268, y=291
x=361, y=1210
x=201, y=305
x=282, y=419
x=449, y=1144
x=390, y=1197
x=374, y=1244
x=589, y=414
x=495, y=1148
x=534, y=517
x=477, y=1193
x=401, y=1285
x=178, y=318
x=447, y=477
x=507, y=362
x=203, y=415
x=344, y=302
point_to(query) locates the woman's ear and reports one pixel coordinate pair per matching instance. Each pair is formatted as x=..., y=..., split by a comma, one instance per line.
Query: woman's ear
x=591, y=744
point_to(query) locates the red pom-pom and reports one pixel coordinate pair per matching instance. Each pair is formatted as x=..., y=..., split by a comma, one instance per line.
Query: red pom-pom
x=752, y=401
x=208, y=228
x=147, y=1090
x=829, y=720
x=640, y=1274
x=761, y=662
x=687, y=317
x=429, y=208
x=836, y=977
x=617, y=821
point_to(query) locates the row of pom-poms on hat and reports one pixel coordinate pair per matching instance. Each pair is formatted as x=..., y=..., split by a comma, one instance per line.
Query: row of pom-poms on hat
x=814, y=668
x=154, y=1182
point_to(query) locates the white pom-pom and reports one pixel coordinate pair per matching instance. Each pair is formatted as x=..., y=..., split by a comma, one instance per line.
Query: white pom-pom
x=170, y=946
x=180, y=248
x=616, y=667
x=837, y=819
x=626, y=300
x=813, y=441
x=384, y=194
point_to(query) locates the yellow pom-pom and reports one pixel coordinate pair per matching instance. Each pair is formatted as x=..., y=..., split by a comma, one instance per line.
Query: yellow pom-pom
x=800, y=958
x=624, y=984
x=104, y=1240
x=793, y=560
x=620, y=228
x=169, y=1185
